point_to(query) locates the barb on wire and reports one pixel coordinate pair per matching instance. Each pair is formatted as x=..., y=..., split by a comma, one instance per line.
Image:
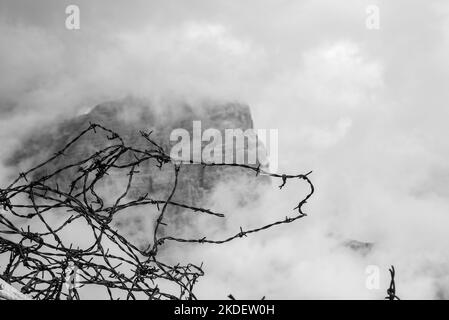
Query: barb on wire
x=39, y=207
x=391, y=291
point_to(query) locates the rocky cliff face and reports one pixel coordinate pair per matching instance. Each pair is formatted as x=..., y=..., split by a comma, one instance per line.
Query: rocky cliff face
x=130, y=115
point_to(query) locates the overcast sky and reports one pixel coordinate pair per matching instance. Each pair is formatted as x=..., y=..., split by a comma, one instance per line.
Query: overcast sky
x=365, y=109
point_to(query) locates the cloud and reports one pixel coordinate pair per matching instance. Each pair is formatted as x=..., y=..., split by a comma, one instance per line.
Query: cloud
x=366, y=110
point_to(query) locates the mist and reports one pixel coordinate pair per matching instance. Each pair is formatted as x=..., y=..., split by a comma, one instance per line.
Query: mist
x=364, y=109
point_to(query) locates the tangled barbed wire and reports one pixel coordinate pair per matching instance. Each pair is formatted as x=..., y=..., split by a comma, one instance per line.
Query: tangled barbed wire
x=39, y=260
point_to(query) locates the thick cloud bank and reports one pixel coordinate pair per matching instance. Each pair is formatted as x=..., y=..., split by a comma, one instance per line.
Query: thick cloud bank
x=365, y=109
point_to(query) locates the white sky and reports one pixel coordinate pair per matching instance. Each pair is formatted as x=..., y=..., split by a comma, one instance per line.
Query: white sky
x=365, y=109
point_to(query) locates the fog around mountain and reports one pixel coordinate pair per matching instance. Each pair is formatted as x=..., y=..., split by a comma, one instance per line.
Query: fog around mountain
x=365, y=110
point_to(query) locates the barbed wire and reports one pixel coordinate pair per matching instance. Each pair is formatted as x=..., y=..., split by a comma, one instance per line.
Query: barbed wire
x=39, y=262
x=391, y=291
